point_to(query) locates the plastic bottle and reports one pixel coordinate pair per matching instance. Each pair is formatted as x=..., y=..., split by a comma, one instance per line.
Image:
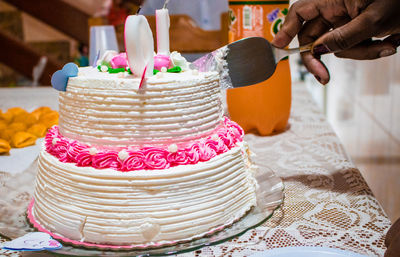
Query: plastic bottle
x=263, y=108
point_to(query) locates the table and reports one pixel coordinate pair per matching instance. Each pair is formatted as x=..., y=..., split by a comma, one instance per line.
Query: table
x=327, y=202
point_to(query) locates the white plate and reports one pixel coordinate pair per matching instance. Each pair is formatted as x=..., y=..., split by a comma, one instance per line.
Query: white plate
x=20, y=159
x=305, y=251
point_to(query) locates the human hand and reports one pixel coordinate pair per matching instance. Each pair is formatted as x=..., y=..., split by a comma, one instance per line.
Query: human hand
x=344, y=27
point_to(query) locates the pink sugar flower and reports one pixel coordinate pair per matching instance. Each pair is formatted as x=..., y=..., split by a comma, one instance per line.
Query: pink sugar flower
x=161, y=61
x=119, y=61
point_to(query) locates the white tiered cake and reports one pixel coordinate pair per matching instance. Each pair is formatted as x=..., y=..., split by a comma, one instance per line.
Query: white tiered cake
x=126, y=167
x=133, y=165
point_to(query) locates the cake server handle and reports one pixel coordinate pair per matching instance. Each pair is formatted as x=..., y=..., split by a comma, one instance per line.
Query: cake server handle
x=282, y=53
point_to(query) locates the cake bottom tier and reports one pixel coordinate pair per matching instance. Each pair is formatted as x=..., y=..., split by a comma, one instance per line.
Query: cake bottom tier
x=143, y=207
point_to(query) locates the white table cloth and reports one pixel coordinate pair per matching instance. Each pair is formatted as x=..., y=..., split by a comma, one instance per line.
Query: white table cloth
x=327, y=202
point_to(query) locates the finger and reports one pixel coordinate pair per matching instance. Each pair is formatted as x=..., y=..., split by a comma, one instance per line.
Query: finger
x=393, y=231
x=394, y=40
x=311, y=31
x=316, y=67
x=300, y=11
x=357, y=30
x=394, y=248
x=368, y=51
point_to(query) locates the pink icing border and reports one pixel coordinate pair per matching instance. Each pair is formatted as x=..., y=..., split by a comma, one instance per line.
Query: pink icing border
x=68, y=150
x=40, y=228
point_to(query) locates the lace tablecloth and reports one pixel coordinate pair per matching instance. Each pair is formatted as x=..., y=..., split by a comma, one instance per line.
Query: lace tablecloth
x=327, y=202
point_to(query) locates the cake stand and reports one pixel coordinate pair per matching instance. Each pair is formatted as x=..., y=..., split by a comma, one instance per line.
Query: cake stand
x=17, y=191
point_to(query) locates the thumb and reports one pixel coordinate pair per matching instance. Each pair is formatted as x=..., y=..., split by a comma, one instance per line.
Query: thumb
x=357, y=30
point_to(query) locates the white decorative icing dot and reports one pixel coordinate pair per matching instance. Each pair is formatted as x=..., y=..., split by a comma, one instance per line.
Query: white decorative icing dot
x=173, y=148
x=123, y=155
x=103, y=68
x=55, y=140
x=92, y=151
x=164, y=69
x=215, y=137
x=195, y=72
x=159, y=75
x=149, y=229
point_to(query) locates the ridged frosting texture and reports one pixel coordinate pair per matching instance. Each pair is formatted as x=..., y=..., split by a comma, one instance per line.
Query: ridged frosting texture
x=108, y=109
x=131, y=158
x=141, y=207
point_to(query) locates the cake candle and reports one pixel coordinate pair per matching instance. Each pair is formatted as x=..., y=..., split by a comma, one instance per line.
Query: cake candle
x=162, y=26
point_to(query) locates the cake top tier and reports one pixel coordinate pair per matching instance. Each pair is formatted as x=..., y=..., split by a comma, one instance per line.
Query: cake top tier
x=109, y=109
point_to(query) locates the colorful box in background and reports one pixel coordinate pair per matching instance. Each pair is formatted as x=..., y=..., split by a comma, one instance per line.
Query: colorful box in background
x=263, y=108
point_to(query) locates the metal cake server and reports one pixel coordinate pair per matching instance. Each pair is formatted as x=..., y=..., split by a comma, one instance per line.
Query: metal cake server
x=245, y=62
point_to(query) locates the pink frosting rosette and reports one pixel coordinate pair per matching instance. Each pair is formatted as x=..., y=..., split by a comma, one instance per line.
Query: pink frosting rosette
x=53, y=133
x=179, y=158
x=49, y=148
x=61, y=149
x=228, y=139
x=74, y=149
x=156, y=158
x=237, y=131
x=84, y=158
x=216, y=145
x=207, y=152
x=234, y=127
x=135, y=161
x=103, y=160
x=194, y=153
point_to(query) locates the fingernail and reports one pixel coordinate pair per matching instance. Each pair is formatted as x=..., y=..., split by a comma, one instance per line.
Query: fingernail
x=320, y=49
x=318, y=78
x=387, y=52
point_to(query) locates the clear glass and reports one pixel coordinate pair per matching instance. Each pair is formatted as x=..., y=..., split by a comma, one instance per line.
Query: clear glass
x=18, y=191
x=102, y=38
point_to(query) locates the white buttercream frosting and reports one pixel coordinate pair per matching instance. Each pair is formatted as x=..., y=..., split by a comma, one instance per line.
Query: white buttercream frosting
x=111, y=207
x=105, y=109
x=106, y=206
